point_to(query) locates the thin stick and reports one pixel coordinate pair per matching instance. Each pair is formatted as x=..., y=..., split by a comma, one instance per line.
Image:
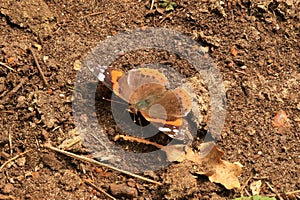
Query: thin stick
x=7, y=197
x=72, y=155
x=140, y=140
x=14, y=158
x=99, y=189
x=5, y=65
x=293, y=192
x=152, y=4
x=22, y=81
x=245, y=184
x=39, y=68
x=274, y=190
x=10, y=143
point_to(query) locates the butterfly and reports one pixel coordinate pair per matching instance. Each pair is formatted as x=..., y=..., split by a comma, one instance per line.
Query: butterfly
x=147, y=92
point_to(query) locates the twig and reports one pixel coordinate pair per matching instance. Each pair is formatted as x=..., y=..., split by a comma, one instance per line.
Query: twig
x=39, y=68
x=163, y=19
x=245, y=184
x=293, y=192
x=22, y=81
x=274, y=190
x=152, y=4
x=99, y=189
x=139, y=140
x=10, y=142
x=5, y=65
x=14, y=158
x=7, y=197
x=72, y=155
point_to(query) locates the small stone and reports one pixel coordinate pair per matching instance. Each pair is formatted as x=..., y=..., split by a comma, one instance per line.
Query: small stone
x=45, y=58
x=21, y=161
x=77, y=65
x=37, y=46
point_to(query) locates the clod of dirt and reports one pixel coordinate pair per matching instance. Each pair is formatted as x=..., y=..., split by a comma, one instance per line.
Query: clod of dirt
x=51, y=161
x=8, y=188
x=180, y=181
x=122, y=190
x=70, y=180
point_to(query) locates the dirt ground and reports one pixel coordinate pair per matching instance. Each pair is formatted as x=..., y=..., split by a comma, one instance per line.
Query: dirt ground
x=254, y=44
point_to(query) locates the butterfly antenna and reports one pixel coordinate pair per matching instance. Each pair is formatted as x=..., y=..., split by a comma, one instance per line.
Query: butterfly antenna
x=134, y=118
x=141, y=126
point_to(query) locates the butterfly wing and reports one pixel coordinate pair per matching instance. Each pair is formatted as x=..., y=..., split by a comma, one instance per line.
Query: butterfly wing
x=171, y=105
x=167, y=112
x=140, y=84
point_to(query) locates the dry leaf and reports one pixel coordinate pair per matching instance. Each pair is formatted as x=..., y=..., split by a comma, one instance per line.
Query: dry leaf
x=233, y=50
x=209, y=163
x=175, y=152
x=255, y=187
x=10, y=60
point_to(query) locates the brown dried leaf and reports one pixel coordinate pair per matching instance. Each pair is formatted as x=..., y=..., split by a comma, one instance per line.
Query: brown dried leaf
x=209, y=163
x=233, y=50
x=175, y=153
x=255, y=187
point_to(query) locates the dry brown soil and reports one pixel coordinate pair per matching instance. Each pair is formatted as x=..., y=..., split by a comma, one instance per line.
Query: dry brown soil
x=255, y=45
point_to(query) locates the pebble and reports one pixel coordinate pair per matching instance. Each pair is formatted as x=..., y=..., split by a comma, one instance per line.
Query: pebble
x=280, y=119
x=21, y=161
x=77, y=65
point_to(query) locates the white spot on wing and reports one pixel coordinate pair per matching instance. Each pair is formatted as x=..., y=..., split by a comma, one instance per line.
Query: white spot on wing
x=164, y=129
x=101, y=77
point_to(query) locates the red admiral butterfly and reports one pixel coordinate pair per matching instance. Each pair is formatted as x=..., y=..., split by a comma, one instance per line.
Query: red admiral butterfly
x=146, y=91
